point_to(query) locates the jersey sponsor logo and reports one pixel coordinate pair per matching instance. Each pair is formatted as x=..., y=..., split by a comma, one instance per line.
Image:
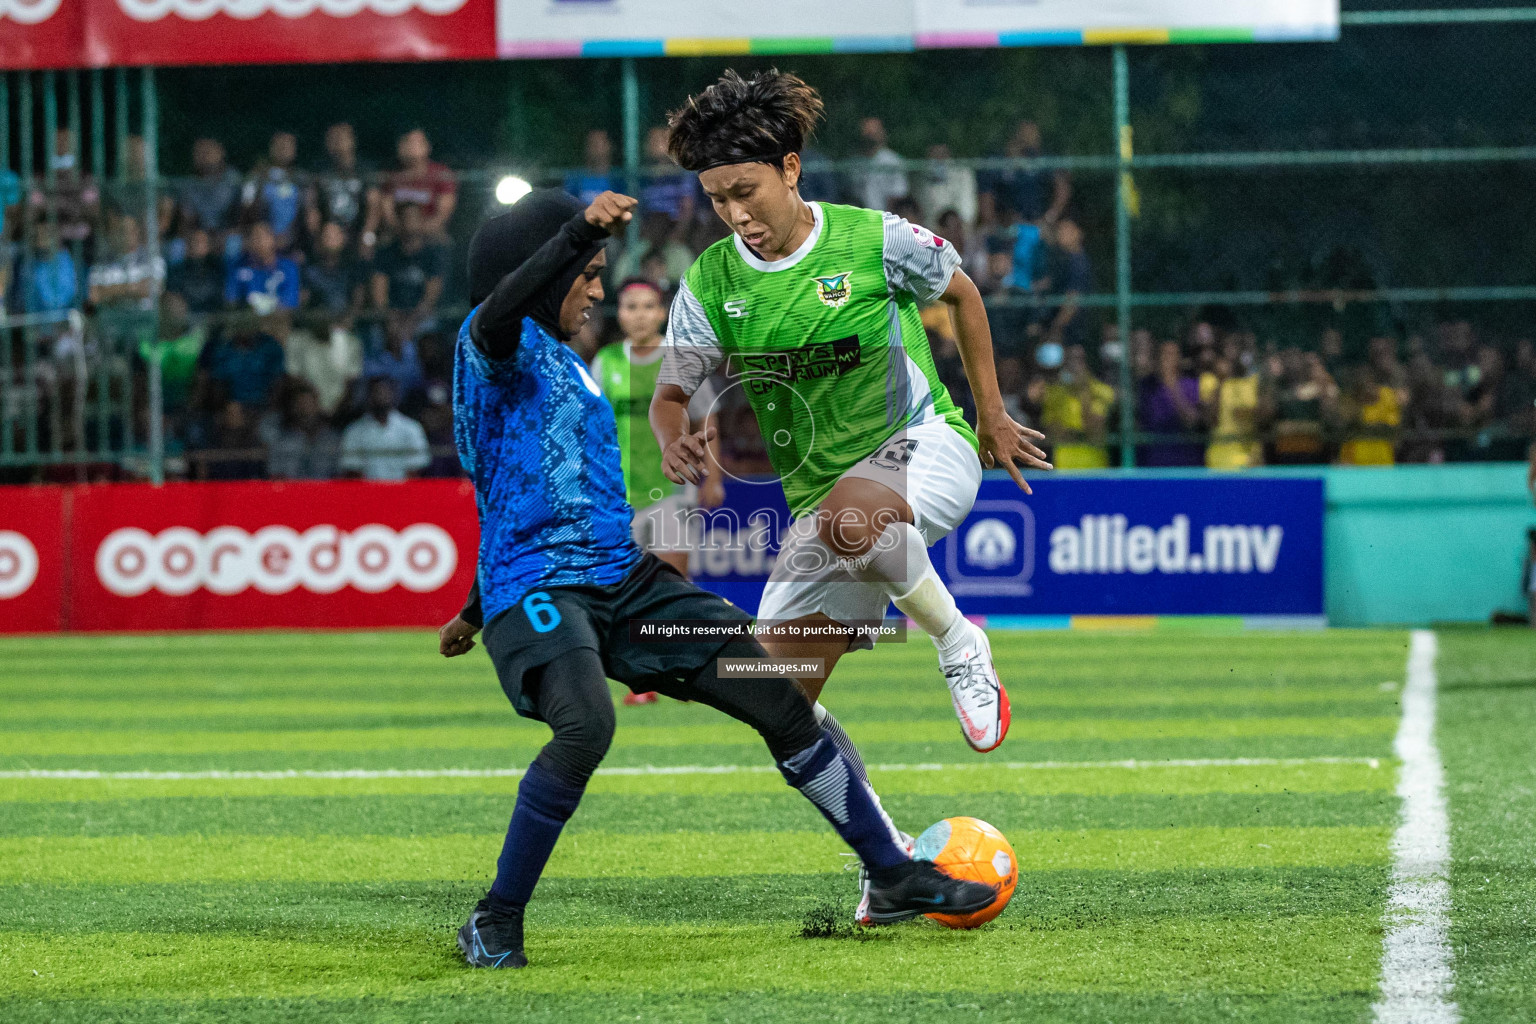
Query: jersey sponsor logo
x=762, y=371
x=834, y=291
x=18, y=564
x=244, y=10
x=28, y=12
x=736, y=309
x=927, y=238
x=276, y=559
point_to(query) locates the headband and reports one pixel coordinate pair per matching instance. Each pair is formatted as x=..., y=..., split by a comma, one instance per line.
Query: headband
x=766, y=158
x=642, y=283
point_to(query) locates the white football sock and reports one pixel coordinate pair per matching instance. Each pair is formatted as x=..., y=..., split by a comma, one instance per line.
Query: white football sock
x=899, y=563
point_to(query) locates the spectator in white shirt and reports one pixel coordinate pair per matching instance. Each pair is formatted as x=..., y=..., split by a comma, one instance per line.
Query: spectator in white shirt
x=880, y=181
x=130, y=281
x=385, y=444
x=944, y=185
x=327, y=355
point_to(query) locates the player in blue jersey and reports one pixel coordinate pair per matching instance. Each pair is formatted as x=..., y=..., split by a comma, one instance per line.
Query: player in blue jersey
x=564, y=594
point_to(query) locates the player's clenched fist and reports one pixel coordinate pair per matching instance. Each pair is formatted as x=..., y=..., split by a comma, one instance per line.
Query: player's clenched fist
x=611, y=211
x=686, y=460
x=456, y=638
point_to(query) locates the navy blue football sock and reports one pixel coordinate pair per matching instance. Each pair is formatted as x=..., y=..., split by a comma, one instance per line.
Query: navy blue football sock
x=822, y=773
x=545, y=802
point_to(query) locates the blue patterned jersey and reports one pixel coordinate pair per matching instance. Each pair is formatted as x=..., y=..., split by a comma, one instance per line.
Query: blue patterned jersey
x=537, y=436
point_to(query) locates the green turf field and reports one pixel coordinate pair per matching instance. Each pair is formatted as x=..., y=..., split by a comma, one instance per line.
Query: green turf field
x=1196, y=890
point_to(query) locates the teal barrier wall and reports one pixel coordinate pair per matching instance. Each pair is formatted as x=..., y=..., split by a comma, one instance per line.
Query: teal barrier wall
x=1421, y=544
x=1413, y=545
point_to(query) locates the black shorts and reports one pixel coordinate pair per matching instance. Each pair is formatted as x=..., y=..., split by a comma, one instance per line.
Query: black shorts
x=553, y=621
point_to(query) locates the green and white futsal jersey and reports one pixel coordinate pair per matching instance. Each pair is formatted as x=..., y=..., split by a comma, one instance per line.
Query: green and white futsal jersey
x=628, y=383
x=827, y=343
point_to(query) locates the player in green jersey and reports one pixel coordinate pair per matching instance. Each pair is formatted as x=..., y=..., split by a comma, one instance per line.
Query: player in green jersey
x=626, y=372
x=814, y=309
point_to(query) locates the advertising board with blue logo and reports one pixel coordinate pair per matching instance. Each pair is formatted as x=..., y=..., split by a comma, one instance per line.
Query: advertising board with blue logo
x=1210, y=545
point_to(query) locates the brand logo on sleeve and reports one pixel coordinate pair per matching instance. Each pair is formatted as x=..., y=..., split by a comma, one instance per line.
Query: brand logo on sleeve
x=834, y=291
x=927, y=238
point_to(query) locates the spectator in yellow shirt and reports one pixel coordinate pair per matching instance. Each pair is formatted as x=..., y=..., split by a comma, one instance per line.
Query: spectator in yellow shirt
x=1374, y=413
x=1235, y=404
x=1073, y=412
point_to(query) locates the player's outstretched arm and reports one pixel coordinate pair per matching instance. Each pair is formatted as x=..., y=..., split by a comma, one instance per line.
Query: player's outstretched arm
x=498, y=325
x=684, y=454
x=1003, y=442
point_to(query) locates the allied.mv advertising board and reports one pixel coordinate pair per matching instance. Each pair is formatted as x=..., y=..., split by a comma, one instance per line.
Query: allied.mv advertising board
x=1107, y=545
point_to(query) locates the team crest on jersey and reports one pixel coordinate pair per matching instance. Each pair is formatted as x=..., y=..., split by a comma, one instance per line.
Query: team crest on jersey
x=834, y=291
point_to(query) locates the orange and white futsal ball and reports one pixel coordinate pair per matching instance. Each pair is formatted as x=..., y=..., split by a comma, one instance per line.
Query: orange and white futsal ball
x=971, y=849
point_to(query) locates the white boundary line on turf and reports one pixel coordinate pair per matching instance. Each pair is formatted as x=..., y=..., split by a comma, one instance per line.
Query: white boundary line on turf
x=86, y=774
x=1416, y=973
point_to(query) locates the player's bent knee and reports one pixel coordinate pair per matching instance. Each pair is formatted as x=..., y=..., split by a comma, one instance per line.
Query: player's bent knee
x=574, y=700
x=847, y=533
x=582, y=742
x=777, y=707
x=856, y=513
x=575, y=752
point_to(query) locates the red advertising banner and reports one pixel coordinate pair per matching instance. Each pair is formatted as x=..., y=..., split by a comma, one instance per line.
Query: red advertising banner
x=287, y=31
x=252, y=555
x=31, y=559
x=98, y=33
x=41, y=33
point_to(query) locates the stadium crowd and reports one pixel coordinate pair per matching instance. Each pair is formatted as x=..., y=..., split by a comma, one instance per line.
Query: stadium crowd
x=303, y=319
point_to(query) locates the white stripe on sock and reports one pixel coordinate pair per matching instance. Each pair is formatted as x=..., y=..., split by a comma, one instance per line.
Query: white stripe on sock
x=829, y=791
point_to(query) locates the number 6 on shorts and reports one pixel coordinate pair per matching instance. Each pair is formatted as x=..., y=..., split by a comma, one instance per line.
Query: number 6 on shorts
x=542, y=614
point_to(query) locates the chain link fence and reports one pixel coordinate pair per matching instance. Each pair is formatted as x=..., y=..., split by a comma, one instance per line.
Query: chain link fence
x=1237, y=274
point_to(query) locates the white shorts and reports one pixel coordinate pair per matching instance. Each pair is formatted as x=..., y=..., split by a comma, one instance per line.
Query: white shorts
x=666, y=525
x=934, y=469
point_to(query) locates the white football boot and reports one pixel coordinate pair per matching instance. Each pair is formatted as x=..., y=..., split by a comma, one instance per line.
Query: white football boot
x=861, y=915
x=980, y=701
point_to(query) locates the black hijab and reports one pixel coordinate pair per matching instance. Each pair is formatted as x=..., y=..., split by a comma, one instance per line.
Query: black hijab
x=505, y=242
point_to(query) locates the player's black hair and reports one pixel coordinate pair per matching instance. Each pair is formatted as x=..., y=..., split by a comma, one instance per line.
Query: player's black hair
x=761, y=119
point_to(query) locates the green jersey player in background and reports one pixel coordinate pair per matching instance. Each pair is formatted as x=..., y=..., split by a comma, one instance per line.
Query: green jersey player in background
x=627, y=372
x=814, y=310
